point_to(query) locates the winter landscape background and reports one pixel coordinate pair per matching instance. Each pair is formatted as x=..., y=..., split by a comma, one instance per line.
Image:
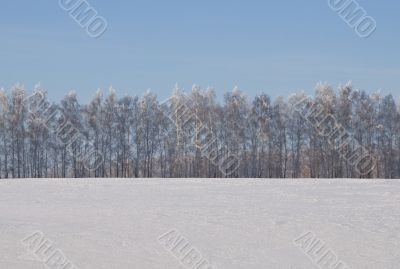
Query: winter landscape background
x=272, y=159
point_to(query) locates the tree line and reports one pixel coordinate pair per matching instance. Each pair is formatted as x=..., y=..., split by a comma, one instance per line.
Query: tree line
x=134, y=137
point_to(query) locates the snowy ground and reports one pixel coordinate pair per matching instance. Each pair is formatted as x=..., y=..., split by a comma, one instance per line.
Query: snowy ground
x=233, y=223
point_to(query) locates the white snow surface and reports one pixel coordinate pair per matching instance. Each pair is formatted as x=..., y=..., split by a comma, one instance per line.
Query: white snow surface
x=237, y=223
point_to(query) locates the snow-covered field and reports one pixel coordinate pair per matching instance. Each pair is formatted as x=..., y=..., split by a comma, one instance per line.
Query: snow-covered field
x=233, y=224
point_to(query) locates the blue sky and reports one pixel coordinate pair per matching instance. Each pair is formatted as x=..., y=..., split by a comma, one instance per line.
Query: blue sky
x=277, y=47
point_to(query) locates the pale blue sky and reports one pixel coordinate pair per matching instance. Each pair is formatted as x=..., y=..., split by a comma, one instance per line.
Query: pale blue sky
x=278, y=47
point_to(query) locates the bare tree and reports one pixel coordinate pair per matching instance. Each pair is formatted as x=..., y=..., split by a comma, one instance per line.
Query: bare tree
x=136, y=138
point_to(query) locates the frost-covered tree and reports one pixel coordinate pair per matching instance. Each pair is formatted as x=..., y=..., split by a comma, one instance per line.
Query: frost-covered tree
x=192, y=133
x=4, y=135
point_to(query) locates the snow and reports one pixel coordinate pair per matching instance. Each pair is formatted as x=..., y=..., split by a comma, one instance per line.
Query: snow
x=241, y=223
